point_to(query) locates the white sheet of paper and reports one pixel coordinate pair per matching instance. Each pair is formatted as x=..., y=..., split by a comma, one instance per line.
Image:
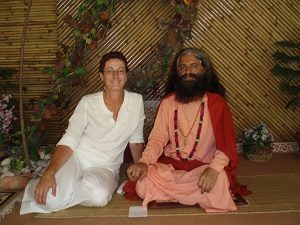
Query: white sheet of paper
x=137, y=211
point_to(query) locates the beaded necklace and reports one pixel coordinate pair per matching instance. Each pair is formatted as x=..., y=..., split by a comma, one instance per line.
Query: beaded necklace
x=190, y=130
x=201, y=111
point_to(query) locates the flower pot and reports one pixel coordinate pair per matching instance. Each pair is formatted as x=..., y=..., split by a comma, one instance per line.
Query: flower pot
x=260, y=155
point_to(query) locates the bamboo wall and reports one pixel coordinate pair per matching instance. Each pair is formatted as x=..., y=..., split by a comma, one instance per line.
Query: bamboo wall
x=239, y=36
x=135, y=32
x=40, y=48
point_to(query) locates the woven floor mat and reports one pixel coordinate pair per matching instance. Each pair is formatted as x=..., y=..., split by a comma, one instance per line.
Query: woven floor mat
x=271, y=193
x=8, y=201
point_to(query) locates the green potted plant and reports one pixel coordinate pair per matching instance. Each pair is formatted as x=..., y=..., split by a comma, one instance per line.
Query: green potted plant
x=287, y=67
x=257, y=143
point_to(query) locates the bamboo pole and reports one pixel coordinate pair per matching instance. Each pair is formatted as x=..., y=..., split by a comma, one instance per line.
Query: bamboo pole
x=24, y=141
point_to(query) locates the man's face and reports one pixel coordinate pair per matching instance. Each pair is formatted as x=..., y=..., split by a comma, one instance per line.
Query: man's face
x=191, y=82
x=189, y=68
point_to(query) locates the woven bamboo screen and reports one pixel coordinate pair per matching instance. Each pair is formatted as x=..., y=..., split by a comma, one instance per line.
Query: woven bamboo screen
x=238, y=35
x=134, y=32
x=40, y=48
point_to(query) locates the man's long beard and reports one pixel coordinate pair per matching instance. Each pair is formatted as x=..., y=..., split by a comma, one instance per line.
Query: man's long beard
x=190, y=87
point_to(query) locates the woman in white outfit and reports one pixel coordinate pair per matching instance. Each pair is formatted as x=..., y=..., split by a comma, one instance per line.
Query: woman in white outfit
x=84, y=168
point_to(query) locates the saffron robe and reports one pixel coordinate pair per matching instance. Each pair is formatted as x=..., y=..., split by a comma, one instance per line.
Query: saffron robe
x=216, y=149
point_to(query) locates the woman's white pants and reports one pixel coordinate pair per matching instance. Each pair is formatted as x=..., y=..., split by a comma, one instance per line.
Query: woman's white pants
x=77, y=183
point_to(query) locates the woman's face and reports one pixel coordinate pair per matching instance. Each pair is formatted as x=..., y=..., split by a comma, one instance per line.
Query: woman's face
x=114, y=75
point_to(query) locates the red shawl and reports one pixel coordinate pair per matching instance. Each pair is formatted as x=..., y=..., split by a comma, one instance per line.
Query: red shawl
x=225, y=138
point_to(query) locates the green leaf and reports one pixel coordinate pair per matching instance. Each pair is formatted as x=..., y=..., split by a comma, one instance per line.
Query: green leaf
x=20, y=165
x=65, y=71
x=67, y=62
x=101, y=2
x=48, y=70
x=49, y=149
x=17, y=164
x=35, y=117
x=88, y=41
x=290, y=89
x=16, y=139
x=94, y=35
x=288, y=44
x=94, y=12
x=285, y=58
x=96, y=22
x=80, y=71
x=80, y=8
x=33, y=146
x=32, y=129
x=7, y=87
x=34, y=156
x=180, y=10
x=77, y=33
x=55, y=96
x=43, y=103
x=93, y=31
x=88, y=1
x=294, y=103
x=14, y=150
x=285, y=72
x=6, y=74
x=53, y=76
x=112, y=7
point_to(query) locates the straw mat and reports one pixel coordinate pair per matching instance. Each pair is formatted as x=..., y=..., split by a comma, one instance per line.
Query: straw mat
x=271, y=193
x=8, y=201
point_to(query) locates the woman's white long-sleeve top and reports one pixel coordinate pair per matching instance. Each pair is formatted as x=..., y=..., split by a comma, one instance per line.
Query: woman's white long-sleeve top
x=96, y=137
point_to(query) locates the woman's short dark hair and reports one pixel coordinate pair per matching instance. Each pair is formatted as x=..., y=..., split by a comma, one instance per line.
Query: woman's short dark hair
x=112, y=55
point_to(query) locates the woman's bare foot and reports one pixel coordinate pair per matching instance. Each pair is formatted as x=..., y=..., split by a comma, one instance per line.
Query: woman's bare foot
x=14, y=183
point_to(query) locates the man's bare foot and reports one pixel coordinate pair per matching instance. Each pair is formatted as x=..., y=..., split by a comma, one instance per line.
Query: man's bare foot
x=14, y=183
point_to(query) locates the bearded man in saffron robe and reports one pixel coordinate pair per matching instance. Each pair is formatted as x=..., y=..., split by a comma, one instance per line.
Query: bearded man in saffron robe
x=191, y=155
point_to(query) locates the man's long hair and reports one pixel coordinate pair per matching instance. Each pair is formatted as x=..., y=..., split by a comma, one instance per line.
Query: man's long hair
x=211, y=78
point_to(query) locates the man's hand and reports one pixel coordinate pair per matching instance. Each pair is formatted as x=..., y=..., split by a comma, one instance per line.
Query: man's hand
x=46, y=182
x=137, y=171
x=208, y=180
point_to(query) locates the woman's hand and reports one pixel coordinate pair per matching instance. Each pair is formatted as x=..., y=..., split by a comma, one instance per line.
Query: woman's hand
x=137, y=171
x=46, y=182
x=208, y=180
